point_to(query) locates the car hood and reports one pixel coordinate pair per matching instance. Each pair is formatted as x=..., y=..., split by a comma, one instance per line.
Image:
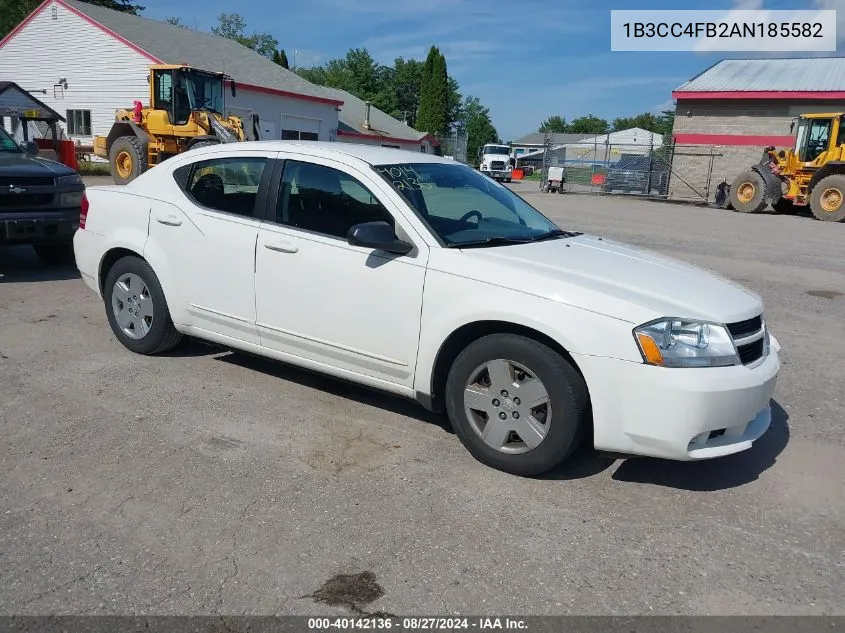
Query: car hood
x=613, y=279
x=27, y=165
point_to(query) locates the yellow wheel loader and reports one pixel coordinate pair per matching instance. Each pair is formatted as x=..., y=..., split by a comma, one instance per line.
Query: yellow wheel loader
x=811, y=173
x=185, y=111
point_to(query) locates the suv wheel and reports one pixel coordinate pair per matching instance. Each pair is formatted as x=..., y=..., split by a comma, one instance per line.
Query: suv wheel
x=516, y=404
x=136, y=308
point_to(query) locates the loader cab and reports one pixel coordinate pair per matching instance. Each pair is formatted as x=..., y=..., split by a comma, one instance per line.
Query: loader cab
x=181, y=90
x=815, y=134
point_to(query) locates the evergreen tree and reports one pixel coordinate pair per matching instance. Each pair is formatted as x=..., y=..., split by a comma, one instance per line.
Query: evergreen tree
x=281, y=58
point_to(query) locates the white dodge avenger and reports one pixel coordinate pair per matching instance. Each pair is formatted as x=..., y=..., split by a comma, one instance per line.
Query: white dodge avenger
x=419, y=276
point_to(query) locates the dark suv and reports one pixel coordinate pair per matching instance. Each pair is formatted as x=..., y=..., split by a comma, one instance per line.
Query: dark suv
x=40, y=201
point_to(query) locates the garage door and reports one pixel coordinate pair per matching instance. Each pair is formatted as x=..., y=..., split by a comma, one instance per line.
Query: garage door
x=298, y=128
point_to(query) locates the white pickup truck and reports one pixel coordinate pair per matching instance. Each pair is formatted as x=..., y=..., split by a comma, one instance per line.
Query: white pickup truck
x=496, y=161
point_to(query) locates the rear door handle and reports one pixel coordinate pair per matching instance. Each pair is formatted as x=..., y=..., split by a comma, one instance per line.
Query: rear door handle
x=171, y=219
x=281, y=247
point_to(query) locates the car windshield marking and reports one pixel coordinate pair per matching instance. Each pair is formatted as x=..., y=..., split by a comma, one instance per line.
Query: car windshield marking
x=463, y=207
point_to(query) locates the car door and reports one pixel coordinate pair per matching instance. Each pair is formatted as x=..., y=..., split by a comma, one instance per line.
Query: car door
x=208, y=239
x=321, y=299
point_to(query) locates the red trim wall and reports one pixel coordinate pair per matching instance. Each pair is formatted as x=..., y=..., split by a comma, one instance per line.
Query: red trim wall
x=26, y=21
x=812, y=95
x=733, y=139
x=108, y=31
x=285, y=93
x=392, y=139
x=153, y=58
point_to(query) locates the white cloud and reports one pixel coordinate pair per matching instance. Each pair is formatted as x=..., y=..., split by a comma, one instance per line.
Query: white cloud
x=746, y=5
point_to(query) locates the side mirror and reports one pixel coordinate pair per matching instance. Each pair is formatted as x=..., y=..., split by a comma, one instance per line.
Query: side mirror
x=30, y=147
x=234, y=89
x=378, y=235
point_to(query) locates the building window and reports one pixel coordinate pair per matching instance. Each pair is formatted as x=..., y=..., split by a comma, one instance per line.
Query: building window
x=78, y=122
x=296, y=135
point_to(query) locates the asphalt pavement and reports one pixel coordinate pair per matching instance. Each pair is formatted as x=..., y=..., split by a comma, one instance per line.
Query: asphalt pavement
x=205, y=481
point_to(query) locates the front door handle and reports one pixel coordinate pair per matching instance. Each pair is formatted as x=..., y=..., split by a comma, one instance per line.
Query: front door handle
x=281, y=247
x=171, y=219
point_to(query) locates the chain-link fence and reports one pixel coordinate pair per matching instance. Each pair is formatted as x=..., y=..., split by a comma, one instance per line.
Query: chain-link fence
x=454, y=146
x=679, y=172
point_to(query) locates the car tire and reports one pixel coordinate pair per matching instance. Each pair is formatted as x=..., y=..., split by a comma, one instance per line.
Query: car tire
x=127, y=159
x=748, y=192
x=137, y=309
x=552, y=430
x=55, y=254
x=827, y=201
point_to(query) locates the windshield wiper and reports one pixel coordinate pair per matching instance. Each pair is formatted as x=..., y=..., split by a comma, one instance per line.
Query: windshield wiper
x=554, y=233
x=490, y=241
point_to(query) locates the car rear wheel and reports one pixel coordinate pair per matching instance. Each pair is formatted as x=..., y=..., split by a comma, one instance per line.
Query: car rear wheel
x=516, y=404
x=136, y=308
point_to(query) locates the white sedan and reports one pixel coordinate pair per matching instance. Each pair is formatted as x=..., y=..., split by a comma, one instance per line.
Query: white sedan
x=419, y=276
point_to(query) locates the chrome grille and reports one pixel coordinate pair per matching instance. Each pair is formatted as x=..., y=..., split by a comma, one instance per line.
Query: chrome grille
x=749, y=338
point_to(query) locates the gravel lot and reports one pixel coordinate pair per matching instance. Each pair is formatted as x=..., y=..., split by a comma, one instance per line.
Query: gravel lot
x=210, y=482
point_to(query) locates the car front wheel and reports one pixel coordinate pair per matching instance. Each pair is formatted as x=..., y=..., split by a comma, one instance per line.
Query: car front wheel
x=136, y=308
x=516, y=404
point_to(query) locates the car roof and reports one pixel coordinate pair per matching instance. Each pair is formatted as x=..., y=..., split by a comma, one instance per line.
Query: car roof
x=372, y=154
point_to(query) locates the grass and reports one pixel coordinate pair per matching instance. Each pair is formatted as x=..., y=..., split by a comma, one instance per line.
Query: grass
x=90, y=168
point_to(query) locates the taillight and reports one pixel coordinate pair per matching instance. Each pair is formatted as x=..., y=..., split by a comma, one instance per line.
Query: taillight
x=83, y=211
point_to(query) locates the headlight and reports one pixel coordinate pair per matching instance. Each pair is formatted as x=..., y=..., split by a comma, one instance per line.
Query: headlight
x=71, y=199
x=686, y=343
x=484, y=166
x=63, y=181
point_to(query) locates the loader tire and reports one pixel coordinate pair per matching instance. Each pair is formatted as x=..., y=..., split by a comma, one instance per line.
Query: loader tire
x=748, y=192
x=127, y=159
x=827, y=202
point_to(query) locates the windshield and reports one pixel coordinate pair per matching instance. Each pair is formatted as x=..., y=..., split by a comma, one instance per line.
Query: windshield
x=462, y=207
x=496, y=149
x=204, y=91
x=8, y=144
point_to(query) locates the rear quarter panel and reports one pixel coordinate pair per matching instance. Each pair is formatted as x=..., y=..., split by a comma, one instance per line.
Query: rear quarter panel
x=120, y=217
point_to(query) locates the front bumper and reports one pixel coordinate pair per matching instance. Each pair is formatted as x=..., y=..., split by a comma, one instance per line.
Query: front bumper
x=498, y=175
x=680, y=414
x=44, y=226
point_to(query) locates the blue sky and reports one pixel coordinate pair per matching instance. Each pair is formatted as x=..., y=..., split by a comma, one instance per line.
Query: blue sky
x=526, y=60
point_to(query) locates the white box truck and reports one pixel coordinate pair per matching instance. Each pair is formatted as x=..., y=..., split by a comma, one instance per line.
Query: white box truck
x=495, y=161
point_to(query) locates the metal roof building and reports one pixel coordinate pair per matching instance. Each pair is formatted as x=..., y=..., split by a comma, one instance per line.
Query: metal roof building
x=89, y=61
x=769, y=78
x=360, y=122
x=728, y=113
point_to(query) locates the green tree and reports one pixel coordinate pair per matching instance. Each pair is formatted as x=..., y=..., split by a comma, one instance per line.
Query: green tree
x=478, y=126
x=454, y=103
x=434, y=94
x=555, y=124
x=646, y=121
x=233, y=27
x=588, y=125
x=281, y=58
x=406, y=79
x=124, y=6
